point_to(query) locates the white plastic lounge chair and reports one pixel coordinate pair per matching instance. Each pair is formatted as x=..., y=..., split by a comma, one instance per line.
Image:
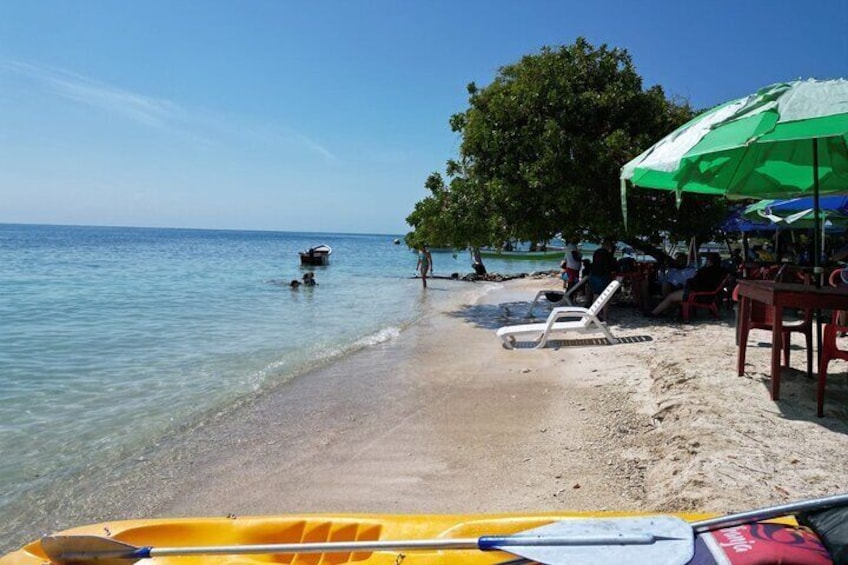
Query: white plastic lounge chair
x=583, y=320
x=562, y=298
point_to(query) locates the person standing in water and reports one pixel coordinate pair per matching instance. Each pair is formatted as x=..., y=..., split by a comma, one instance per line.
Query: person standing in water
x=425, y=263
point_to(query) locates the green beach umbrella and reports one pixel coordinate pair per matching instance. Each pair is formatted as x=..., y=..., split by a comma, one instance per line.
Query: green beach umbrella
x=788, y=139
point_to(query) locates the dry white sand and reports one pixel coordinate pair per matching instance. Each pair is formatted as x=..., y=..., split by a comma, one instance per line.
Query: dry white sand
x=443, y=419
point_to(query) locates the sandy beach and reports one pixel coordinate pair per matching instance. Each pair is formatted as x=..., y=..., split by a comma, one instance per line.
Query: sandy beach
x=442, y=418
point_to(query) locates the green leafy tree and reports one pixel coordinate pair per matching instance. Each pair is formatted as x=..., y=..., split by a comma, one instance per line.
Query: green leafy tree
x=458, y=216
x=541, y=151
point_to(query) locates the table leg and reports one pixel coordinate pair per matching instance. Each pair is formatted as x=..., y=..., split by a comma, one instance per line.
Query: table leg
x=739, y=318
x=742, y=333
x=776, y=346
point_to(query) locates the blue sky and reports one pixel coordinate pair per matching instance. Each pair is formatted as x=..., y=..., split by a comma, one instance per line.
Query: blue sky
x=322, y=115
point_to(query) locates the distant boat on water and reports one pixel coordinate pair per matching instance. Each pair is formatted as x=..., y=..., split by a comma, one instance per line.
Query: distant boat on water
x=548, y=253
x=318, y=255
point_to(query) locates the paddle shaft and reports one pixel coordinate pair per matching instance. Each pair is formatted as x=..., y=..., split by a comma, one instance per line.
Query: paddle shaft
x=485, y=543
x=770, y=512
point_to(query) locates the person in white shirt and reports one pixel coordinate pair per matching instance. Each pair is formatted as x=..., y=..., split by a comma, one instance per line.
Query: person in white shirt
x=573, y=261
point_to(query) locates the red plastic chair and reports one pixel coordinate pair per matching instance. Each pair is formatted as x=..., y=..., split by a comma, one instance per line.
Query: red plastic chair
x=707, y=299
x=829, y=351
x=762, y=318
x=769, y=272
x=835, y=278
x=633, y=282
x=796, y=275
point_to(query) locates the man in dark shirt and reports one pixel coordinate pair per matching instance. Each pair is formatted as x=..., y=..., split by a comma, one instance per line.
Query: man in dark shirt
x=603, y=266
x=601, y=271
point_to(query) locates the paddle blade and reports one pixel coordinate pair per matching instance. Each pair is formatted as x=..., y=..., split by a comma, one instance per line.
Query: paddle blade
x=75, y=550
x=658, y=540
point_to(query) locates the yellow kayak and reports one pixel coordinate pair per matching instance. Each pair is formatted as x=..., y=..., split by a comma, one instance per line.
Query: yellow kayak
x=366, y=539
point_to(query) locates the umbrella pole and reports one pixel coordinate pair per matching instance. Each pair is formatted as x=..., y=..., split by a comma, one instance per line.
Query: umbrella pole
x=817, y=246
x=817, y=243
x=693, y=252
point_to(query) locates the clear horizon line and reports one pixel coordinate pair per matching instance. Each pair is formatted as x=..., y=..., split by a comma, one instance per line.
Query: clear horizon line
x=118, y=226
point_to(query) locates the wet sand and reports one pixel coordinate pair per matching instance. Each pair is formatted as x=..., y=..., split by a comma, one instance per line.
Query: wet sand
x=444, y=419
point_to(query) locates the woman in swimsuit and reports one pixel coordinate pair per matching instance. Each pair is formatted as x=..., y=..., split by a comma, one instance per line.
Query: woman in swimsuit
x=425, y=263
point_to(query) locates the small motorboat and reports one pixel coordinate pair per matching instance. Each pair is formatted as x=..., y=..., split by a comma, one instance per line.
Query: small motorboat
x=549, y=253
x=318, y=255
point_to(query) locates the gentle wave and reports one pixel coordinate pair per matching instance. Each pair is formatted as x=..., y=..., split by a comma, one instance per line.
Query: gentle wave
x=381, y=336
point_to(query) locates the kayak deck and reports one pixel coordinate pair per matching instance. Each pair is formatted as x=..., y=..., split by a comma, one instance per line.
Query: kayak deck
x=259, y=530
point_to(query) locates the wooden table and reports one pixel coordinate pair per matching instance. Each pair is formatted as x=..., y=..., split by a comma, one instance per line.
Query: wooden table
x=786, y=295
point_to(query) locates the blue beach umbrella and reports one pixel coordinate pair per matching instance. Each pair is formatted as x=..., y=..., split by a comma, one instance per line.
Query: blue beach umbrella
x=736, y=223
x=833, y=210
x=799, y=213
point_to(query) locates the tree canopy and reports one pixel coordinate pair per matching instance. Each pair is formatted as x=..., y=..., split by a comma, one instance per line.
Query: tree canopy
x=540, y=154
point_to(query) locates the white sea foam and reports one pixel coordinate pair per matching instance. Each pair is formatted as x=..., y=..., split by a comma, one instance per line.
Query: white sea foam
x=381, y=336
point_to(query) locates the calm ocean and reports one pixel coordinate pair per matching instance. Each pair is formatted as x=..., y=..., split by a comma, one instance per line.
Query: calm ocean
x=111, y=337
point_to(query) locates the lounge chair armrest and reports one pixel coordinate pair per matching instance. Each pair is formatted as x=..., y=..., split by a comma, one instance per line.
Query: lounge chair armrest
x=577, y=285
x=569, y=311
x=573, y=309
x=592, y=318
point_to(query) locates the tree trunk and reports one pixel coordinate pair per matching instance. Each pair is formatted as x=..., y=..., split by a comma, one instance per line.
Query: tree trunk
x=477, y=261
x=648, y=249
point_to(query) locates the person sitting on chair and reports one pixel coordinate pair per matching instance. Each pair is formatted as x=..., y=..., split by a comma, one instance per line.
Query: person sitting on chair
x=676, y=276
x=707, y=278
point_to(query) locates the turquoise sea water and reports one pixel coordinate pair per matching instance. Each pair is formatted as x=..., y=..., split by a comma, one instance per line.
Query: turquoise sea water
x=112, y=337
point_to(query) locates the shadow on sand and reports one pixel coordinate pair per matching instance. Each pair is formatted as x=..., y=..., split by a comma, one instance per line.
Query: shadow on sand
x=584, y=342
